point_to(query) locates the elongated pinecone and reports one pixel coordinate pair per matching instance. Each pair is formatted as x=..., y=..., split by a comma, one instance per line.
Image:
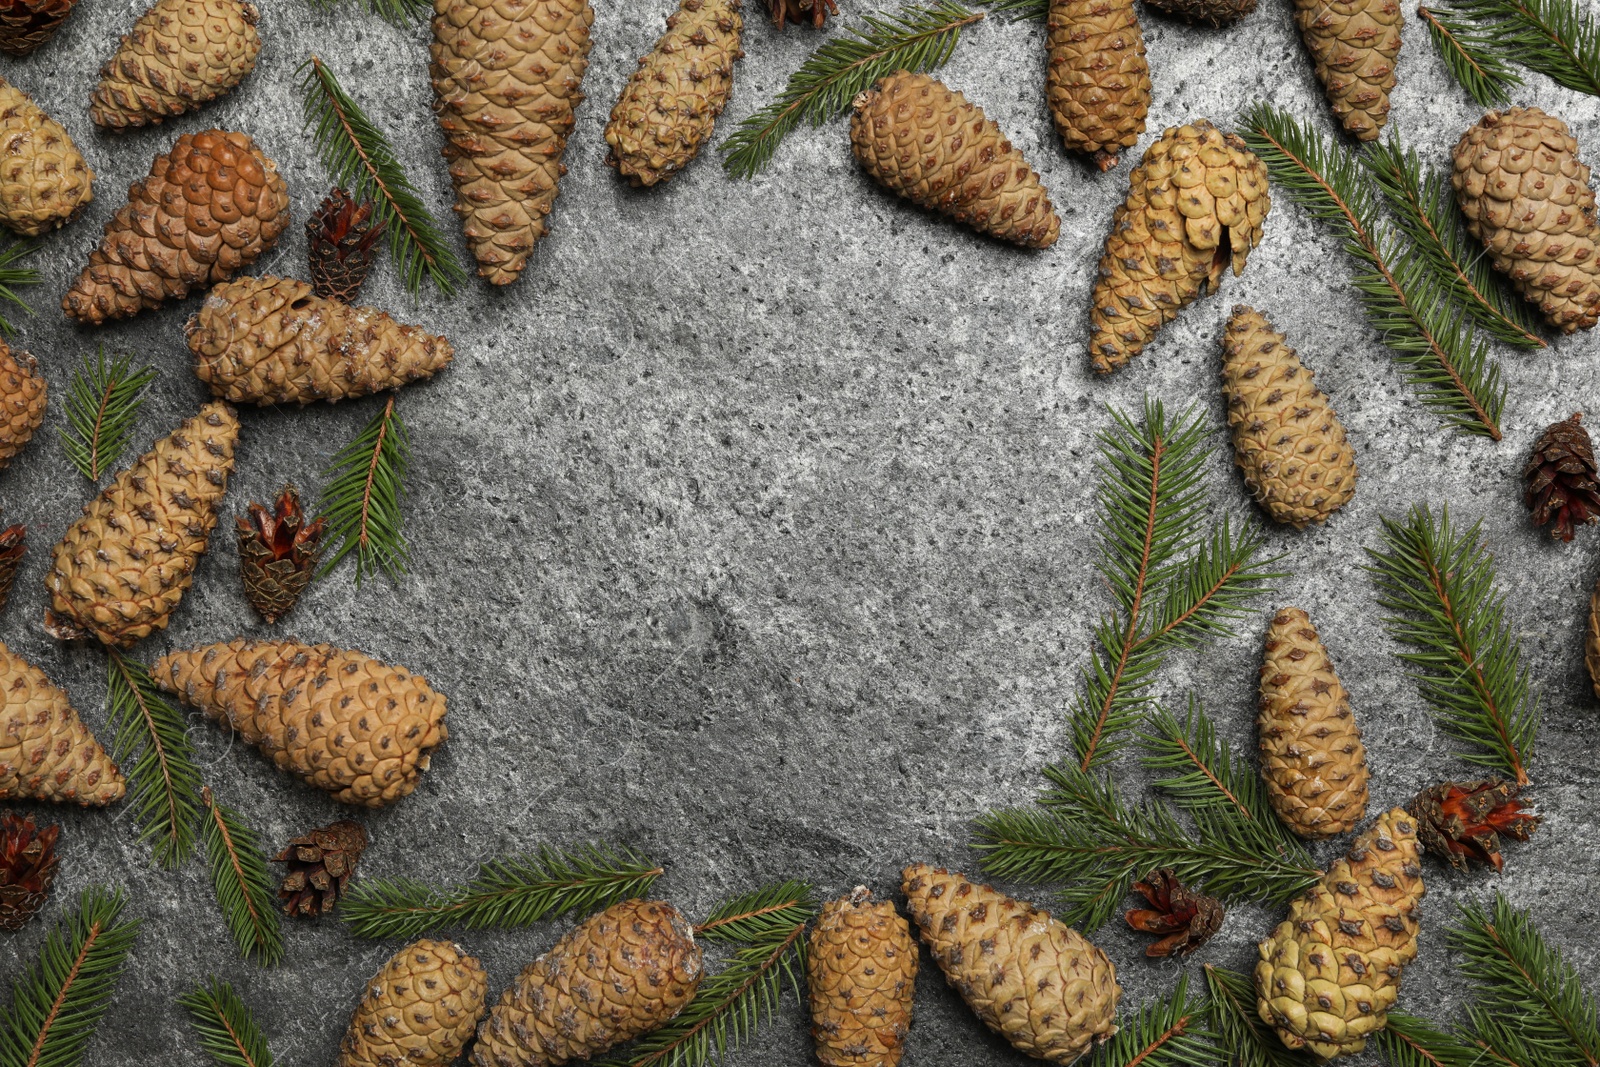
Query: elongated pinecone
x=1353, y=44
x=861, y=971
x=28, y=863
x=1591, y=640
x=340, y=246
x=278, y=554
x=1463, y=821
x=320, y=865
x=44, y=182
x=419, y=1010
x=46, y=750
x=1204, y=12
x=799, y=12
x=1560, y=478
x=1098, y=81
x=1183, y=918
x=13, y=544
x=27, y=24
x=23, y=396
x=179, y=55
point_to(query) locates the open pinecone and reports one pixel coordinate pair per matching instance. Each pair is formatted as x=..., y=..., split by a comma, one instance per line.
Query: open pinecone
x=1185, y=919
x=320, y=865
x=1463, y=821
x=815, y=12
x=28, y=864
x=1560, y=478
x=27, y=24
x=340, y=236
x=278, y=554
x=13, y=543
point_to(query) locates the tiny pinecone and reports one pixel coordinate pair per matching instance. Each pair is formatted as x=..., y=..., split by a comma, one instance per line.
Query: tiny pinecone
x=1463, y=821
x=119, y=572
x=28, y=863
x=815, y=12
x=270, y=341
x=1560, y=478
x=861, y=969
x=1031, y=978
x=1291, y=446
x=1098, y=81
x=506, y=80
x=340, y=246
x=1526, y=196
x=181, y=54
x=27, y=24
x=1183, y=918
x=925, y=142
x=1330, y=972
x=1204, y=12
x=670, y=105
x=1591, y=640
x=621, y=974
x=23, y=397
x=278, y=554
x=1196, y=204
x=46, y=751
x=1353, y=45
x=320, y=866
x=208, y=208
x=419, y=1010
x=44, y=182
x=13, y=544
x=337, y=720
x=1312, y=759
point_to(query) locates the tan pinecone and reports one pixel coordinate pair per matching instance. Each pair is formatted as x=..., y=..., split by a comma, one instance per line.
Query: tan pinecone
x=28, y=863
x=1312, y=758
x=278, y=553
x=1330, y=972
x=1353, y=45
x=925, y=142
x=44, y=182
x=320, y=865
x=1098, y=81
x=1526, y=196
x=670, y=105
x=419, y=1010
x=337, y=720
x=506, y=79
x=621, y=974
x=1591, y=640
x=1196, y=205
x=181, y=54
x=46, y=750
x=270, y=341
x=861, y=969
x=1291, y=446
x=208, y=208
x=1204, y=12
x=23, y=398
x=27, y=24
x=1033, y=980
x=341, y=246
x=13, y=544
x=120, y=570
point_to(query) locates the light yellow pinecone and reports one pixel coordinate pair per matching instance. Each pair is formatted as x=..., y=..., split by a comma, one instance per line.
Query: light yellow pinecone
x=46, y=750
x=1098, y=81
x=861, y=971
x=23, y=398
x=180, y=54
x=1353, y=45
x=419, y=1010
x=44, y=182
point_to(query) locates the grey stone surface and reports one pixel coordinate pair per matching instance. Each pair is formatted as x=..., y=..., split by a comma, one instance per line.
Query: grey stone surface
x=752, y=527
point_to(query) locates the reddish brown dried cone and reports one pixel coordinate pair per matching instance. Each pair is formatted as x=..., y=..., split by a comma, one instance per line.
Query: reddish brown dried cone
x=340, y=246
x=810, y=12
x=278, y=554
x=1098, y=80
x=1204, y=12
x=27, y=24
x=419, y=1010
x=1464, y=821
x=23, y=397
x=861, y=970
x=1591, y=640
x=1183, y=918
x=13, y=544
x=179, y=55
x=1353, y=44
x=320, y=865
x=46, y=750
x=28, y=864
x=1560, y=479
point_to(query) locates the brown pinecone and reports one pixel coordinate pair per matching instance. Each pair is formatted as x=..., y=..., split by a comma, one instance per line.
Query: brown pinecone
x=1560, y=478
x=1204, y=12
x=13, y=543
x=46, y=749
x=179, y=55
x=27, y=24
x=1353, y=44
x=1591, y=640
x=340, y=236
x=278, y=554
x=1098, y=80
x=1463, y=821
x=320, y=865
x=814, y=12
x=28, y=864
x=1184, y=918
x=23, y=396
x=861, y=972
x=419, y=1010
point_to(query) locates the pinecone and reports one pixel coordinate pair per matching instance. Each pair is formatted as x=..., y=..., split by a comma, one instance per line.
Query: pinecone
x=13, y=543
x=1353, y=44
x=27, y=24
x=670, y=105
x=1463, y=821
x=506, y=78
x=1591, y=640
x=1526, y=196
x=1331, y=971
x=320, y=866
x=1312, y=759
x=23, y=396
x=28, y=863
x=861, y=969
x=208, y=208
x=1183, y=918
x=1204, y=12
x=621, y=974
x=270, y=341
x=341, y=246
x=181, y=54
x=278, y=553
x=815, y=12
x=1559, y=478
x=925, y=142
x=1098, y=81
x=1031, y=979
x=1196, y=203
x=46, y=751
x=419, y=1010
x=1287, y=440
x=335, y=719
x=44, y=182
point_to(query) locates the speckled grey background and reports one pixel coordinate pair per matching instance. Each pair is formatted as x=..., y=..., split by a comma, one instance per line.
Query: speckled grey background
x=752, y=527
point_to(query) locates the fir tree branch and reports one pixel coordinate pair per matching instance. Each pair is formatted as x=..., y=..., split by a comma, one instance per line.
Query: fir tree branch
x=1452, y=616
x=103, y=403
x=12, y=278
x=152, y=746
x=362, y=500
x=359, y=157
x=1478, y=38
x=1021, y=10
x=1244, y=1039
x=759, y=915
x=917, y=37
x=1408, y=1041
x=227, y=1030
x=242, y=882
x=401, y=13
x=1469, y=55
x=57, y=1002
x=1437, y=349
x=1167, y=1033
x=516, y=891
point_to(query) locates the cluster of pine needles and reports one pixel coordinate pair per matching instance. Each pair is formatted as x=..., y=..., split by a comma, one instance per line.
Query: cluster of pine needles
x=1482, y=42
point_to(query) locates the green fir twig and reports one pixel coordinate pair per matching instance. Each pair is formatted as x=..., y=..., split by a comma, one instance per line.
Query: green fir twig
x=227, y=1030
x=1244, y=1039
x=152, y=747
x=1166, y=1033
x=1408, y=1041
x=1479, y=39
x=103, y=403
x=917, y=37
x=1021, y=10
x=509, y=892
x=760, y=915
x=14, y=277
x=242, y=882
x=401, y=13
x=1470, y=56
x=362, y=499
